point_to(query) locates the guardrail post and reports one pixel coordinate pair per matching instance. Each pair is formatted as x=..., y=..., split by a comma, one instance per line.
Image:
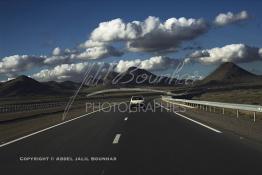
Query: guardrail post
x=210, y=109
x=254, y=117
x=237, y=113
x=206, y=108
x=223, y=111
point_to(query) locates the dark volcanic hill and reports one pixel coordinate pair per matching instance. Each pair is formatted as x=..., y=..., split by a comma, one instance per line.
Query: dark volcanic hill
x=24, y=86
x=65, y=85
x=229, y=73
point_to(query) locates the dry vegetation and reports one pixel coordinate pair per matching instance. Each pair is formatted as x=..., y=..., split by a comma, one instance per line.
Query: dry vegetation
x=247, y=96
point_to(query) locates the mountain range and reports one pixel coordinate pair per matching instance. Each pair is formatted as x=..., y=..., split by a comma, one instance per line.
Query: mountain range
x=226, y=74
x=26, y=86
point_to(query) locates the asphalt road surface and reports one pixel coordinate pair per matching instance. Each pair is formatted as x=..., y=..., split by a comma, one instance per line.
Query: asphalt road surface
x=156, y=142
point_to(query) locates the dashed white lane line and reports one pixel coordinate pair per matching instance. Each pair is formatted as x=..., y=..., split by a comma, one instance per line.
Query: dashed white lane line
x=103, y=172
x=201, y=124
x=116, y=139
x=163, y=107
x=126, y=118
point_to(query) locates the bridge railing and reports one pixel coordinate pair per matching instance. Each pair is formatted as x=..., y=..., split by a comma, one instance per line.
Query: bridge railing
x=205, y=104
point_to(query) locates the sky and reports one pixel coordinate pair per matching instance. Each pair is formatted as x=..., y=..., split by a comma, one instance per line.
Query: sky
x=58, y=39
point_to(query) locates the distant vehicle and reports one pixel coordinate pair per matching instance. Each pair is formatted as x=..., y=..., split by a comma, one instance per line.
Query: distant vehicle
x=138, y=101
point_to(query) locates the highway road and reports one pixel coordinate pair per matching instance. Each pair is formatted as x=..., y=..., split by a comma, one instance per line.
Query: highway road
x=137, y=143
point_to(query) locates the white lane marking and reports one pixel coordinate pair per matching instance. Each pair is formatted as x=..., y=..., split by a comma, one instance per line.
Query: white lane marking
x=103, y=172
x=37, y=132
x=213, y=129
x=116, y=139
x=126, y=118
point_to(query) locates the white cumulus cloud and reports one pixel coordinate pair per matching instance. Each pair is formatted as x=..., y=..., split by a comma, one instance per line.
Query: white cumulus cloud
x=72, y=72
x=56, y=60
x=57, y=51
x=150, y=35
x=19, y=63
x=229, y=17
x=260, y=52
x=153, y=63
x=228, y=53
x=98, y=52
x=62, y=72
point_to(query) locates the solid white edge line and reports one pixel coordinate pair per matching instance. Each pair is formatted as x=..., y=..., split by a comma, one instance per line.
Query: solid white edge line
x=213, y=129
x=208, y=127
x=116, y=139
x=37, y=132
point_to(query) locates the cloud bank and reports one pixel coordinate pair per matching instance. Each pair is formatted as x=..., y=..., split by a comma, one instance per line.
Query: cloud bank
x=150, y=35
x=75, y=71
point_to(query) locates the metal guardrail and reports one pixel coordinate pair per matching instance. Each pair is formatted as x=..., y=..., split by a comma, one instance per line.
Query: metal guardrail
x=205, y=104
x=29, y=107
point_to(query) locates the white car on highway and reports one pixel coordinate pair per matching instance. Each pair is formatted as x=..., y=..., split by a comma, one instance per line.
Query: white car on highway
x=138, y=101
